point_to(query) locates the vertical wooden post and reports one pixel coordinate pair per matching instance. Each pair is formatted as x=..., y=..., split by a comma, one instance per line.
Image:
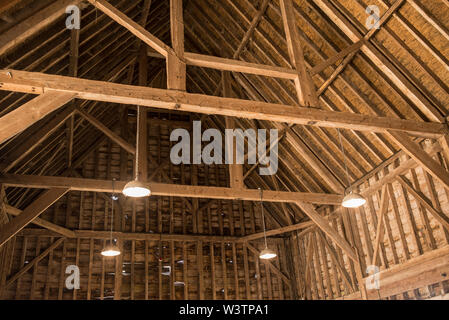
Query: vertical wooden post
x=304, y=84
x=235, y=170
x=176, y=68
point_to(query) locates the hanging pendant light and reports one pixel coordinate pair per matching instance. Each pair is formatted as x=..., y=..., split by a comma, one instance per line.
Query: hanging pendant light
x=265, y=254
x=352, y=199
x=137, y=188
x=111, y=250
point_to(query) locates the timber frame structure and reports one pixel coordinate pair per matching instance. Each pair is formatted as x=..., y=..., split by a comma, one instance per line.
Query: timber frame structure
x=71, y=100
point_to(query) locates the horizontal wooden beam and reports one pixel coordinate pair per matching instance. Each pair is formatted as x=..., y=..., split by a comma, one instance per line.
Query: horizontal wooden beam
x=162, y=189
x=206, y=61
x=33, y=82
x=234, y=65
x=90, y=234
x=427, y=269
x=273, y=232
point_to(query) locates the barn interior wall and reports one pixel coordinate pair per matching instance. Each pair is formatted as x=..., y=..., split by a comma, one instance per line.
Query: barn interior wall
x=207, y=269
x=411, y=227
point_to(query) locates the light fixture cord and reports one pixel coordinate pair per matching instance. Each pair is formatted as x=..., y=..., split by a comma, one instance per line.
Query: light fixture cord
x=137, y=175
x=344, y=160
x=263, y=218
x=112, y=207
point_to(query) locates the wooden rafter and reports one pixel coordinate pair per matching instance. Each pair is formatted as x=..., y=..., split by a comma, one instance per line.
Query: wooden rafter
x=305, y=87
x=43, y=223
x=49, y=197
x=108, y=132
x=133, y=27
x=421, y=157
x=381, y=61
x=324, y=225
x=18, y=120
x=32, y=25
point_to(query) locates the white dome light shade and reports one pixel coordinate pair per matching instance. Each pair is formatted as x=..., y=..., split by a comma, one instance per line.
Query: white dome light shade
x=267, y=254
x=136, y=189
x=110, y=251
x=353, y=200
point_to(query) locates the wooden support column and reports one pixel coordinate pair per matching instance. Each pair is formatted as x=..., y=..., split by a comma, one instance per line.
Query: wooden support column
x=304, y=83
x=444, y=143
x=176, y=67
x=3, y=250
x=235, y=170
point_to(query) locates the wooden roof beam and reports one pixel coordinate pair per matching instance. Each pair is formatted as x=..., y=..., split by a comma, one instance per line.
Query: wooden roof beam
x=162, y=189
x=31, y=82
x=225, y=64
x=324, y=225
x=381, y=61
x=364, y=40
x=21, y=118
x=350, y=50
x=7, y=231
x=415, y=151
x=43, y=223
x=176, y=66
x=305, y=87
x=133, y=27
x=32, y=25
x=108, y=132
x=33, y=262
